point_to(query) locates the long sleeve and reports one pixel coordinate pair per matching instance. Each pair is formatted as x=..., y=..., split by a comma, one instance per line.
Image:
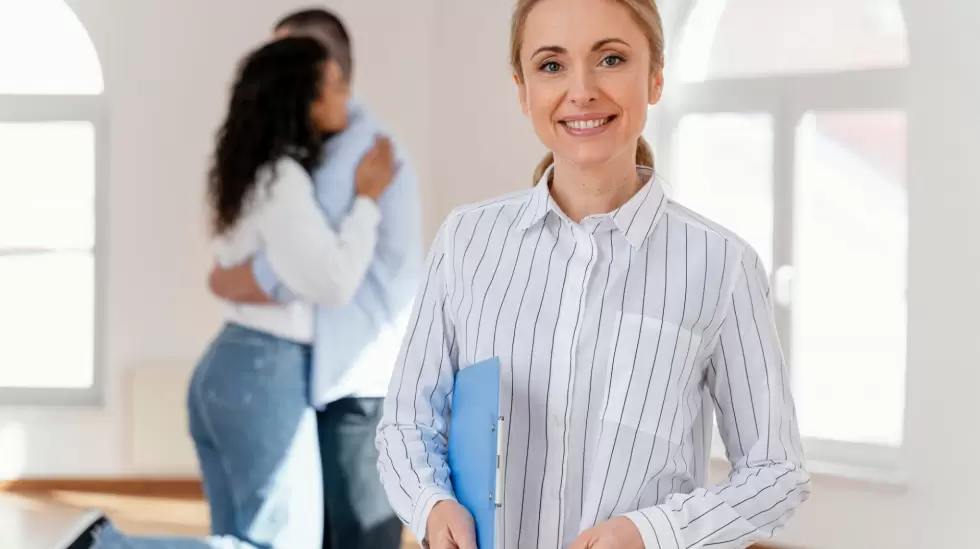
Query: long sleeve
x=412, y=434
x=398, y=255
x=317, y=263
x=747, y=378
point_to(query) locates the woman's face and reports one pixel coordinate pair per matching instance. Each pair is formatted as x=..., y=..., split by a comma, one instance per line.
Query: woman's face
x=587, y=81
x=329, y=111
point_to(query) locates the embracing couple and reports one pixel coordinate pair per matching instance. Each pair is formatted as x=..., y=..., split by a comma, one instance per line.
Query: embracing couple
x=315, y=216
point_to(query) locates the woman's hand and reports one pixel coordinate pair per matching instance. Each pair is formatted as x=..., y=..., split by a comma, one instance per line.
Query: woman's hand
x=615, y=533
x=450, y=526
x=377, y=169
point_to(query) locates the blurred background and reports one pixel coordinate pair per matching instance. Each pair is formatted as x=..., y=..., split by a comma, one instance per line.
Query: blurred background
x=838, y=136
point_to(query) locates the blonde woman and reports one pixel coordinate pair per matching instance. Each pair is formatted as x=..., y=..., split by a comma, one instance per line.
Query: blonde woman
x=618, y=315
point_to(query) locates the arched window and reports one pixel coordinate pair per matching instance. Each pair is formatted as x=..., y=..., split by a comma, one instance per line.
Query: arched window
x=52, y=145
x=784, y=120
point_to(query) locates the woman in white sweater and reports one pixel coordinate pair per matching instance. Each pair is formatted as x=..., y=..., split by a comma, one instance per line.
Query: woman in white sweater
x=250, y=419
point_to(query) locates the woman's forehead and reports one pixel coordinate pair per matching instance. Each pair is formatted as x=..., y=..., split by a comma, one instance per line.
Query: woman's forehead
x=577, y=25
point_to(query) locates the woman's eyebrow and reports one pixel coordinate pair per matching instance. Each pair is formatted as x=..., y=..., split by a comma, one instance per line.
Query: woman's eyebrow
x=596, y=46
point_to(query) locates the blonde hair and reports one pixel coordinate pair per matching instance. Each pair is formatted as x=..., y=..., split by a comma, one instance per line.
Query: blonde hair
x=647, y=16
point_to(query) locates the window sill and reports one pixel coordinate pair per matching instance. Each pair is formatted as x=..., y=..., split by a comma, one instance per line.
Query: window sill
x=893, y=480
x=880, y=478
x=875, y=466
x=16, y=397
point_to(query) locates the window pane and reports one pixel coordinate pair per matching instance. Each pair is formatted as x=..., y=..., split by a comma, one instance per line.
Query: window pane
x=47, y=185
x=724, y=172
x=45, y=50
x=47, y=320
x=738, y=38
x=849, y=284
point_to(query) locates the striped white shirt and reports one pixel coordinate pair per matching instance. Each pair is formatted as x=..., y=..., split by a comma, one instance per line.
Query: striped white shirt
x=615, y=336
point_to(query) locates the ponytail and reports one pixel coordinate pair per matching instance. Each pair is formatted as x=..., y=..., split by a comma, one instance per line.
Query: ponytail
x=644, y=157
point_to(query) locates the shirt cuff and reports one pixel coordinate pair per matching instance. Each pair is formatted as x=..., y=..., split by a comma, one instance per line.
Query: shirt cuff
x=265, y=277
x=655, y=528
x=427, y=500
x=368, y=208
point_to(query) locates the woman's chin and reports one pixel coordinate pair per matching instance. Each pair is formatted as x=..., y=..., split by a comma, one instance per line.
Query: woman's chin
x=591, y=159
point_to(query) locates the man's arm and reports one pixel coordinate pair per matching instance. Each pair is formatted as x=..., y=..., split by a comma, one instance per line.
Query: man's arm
x=237, y=284
x=399, y=256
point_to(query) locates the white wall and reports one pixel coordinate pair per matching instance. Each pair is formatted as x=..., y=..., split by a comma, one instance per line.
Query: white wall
x=944, y=288
x=444, y=86
x=482, y=145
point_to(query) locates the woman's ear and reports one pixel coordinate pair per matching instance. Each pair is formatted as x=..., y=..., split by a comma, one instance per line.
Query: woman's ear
x=521, y=94
x=657, y=84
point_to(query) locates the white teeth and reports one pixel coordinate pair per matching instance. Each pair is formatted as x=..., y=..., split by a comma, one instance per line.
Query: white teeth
x=585, y=124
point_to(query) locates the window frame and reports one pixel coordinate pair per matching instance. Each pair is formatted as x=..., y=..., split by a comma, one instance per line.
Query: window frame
x=71, y=108
x=786, y=98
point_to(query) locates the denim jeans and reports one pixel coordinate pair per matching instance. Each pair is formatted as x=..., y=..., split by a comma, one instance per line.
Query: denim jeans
x=358, y=515
x=256, y=440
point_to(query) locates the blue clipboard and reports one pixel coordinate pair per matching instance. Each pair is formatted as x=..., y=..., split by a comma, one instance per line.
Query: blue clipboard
x=474, y=449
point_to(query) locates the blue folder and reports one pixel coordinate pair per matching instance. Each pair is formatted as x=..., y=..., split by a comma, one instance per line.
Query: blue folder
x=475, y=429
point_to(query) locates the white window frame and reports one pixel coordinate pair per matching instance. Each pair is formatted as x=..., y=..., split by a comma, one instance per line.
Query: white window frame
x=70, y=108
x=786, y=98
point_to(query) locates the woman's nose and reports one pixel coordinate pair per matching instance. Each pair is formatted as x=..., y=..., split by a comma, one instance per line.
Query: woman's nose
x=583, y=88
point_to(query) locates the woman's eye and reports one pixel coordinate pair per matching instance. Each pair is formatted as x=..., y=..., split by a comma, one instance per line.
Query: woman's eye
x=612, y=60
x=551, y=66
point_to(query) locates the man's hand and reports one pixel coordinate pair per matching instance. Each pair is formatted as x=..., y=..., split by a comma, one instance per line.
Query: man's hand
x=237, y=284
x=450, y=526
x=615, y=533
x=376, y=170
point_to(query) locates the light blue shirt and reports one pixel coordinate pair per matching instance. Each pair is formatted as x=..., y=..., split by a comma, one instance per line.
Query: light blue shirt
x=356, y=345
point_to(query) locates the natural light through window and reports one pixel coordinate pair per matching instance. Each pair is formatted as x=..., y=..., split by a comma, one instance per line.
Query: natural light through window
x=45, y=204
x=44, y=49
x=746, y=38
x=851, y=228
x=51, y=120
x=785, y=122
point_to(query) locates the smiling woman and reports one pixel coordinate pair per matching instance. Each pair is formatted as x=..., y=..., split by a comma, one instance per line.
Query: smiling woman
x=606, y=57
x=618, y=317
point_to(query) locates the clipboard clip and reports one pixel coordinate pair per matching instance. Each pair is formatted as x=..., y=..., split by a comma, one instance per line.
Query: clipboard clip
x=499, y=489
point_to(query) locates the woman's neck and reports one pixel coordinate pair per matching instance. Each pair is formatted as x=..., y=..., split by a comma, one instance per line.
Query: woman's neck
x=584, y=192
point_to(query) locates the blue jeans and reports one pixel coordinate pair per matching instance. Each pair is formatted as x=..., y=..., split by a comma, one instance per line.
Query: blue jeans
x=358, y=515
x=256, y=439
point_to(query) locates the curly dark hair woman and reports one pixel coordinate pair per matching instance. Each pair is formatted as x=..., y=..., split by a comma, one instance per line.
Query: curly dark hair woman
x=276, y=110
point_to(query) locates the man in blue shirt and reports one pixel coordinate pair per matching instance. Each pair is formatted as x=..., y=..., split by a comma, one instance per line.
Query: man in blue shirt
x=356, y=345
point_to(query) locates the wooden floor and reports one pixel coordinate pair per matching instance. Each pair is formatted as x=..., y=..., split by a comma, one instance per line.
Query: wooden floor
x=28, y=524
x=40, y=520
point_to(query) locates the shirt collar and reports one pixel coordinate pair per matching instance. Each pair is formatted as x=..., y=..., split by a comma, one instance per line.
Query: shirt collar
x=635, y=219
x=537, y=203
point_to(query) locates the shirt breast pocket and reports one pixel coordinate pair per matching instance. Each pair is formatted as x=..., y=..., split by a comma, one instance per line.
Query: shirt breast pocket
x=648, y=372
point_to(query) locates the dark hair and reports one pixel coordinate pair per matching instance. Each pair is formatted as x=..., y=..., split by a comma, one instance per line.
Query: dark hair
x=322, y=23
x=269, y=116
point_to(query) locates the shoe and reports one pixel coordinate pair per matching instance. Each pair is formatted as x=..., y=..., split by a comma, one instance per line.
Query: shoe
x=83, y=536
